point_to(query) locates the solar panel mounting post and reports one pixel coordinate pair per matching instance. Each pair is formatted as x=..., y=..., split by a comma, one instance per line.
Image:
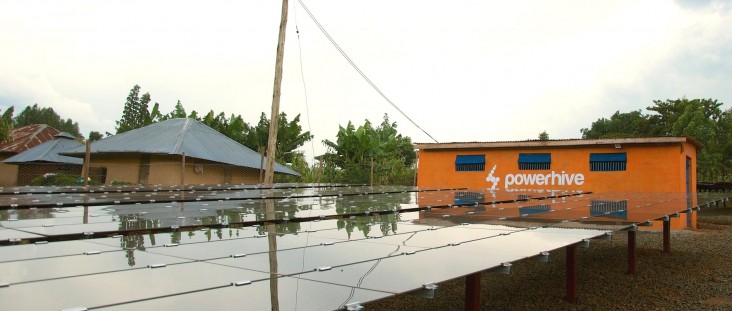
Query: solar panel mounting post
x=472, y=292
x=572, y=271
x=667, y=235
x=631, y=252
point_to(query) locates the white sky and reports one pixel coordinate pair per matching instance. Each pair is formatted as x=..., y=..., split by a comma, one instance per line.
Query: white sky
x=463, y=70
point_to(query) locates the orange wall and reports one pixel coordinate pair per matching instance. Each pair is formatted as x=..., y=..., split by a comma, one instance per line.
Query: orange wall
x=650, y=168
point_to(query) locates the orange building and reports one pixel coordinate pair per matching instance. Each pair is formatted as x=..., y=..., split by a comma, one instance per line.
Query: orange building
x=656, y=164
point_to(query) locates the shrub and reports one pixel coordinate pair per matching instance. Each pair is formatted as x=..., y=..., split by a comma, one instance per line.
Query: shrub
x=60, y=179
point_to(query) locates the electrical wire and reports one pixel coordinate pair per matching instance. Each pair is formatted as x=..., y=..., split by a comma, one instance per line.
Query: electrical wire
x=363, y=75
x=312, y=146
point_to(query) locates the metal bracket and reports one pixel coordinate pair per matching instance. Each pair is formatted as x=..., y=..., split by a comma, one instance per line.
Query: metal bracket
x=428, y=291
x=544, y=257
x=505, y=268
x=354, y=306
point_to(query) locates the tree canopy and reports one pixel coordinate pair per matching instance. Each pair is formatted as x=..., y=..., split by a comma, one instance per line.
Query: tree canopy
x=42, y=115
x=700, y=119
x=135, y=113
x=351, y=154
x=290, y=135
x=6, y=124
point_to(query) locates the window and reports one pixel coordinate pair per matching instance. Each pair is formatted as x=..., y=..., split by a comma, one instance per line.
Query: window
x=535, y=209
x=462, y=198
x=614, y=209
x=534, y=161
x=470, y=163
x=608, y=162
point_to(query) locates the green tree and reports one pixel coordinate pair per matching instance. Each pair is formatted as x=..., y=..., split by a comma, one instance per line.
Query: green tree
x=178, y=112
x=350, y=156
x=628, y=124
x=6, y=124
x=37, y=115
x=94, y=136
x=215, y=121
x=290, y=136
x=725, y=144
x=135, y=114
x=700, y=119
x=668, y=112
x=544, y=136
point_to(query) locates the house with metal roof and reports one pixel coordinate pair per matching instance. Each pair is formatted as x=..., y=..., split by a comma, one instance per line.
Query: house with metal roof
x=175, y=151
x=45, y=158
x=21, y=139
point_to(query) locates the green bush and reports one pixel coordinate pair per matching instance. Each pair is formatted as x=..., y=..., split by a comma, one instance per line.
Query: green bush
x=121, y=183
x=60, y=179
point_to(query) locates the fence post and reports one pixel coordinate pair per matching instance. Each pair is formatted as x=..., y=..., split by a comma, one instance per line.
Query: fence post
x=372, y=172
x=261, y=165
x=183, y=170
x=87, y=157
x=320, y=171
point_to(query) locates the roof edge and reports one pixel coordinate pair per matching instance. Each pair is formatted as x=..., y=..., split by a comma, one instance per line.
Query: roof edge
x=557, y=143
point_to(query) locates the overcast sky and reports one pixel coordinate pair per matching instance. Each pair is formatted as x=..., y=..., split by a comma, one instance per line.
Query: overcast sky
x=463, y=70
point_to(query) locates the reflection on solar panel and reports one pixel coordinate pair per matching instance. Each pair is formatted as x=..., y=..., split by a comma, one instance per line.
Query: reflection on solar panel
x=295, y=247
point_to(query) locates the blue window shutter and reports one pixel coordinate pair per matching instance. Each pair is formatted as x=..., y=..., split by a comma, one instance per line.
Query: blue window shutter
x=608, y=157
x=535, y=158
x=470, y=159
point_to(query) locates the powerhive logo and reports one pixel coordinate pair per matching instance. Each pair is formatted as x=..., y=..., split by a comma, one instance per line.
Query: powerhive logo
x=550, y=179
x=492, y=178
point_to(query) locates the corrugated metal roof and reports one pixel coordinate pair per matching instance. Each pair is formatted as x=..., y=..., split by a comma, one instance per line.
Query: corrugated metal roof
x=556, y=143
x=24, y=138
x=178, y=136
x=48, y=152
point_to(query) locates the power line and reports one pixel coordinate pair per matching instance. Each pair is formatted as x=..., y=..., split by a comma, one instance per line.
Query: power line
x=363, y=75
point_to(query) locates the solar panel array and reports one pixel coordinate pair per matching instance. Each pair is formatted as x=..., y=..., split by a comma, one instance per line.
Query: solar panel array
x=297, y=247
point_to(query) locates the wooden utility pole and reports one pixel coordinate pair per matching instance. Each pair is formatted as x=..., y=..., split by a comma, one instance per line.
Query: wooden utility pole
x=272, y=141
x=271, y=154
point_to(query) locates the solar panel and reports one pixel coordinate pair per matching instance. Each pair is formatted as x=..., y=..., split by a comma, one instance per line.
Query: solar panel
x=322, y=248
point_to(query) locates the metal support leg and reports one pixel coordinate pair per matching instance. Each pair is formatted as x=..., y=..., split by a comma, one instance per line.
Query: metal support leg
x=572, y=272
x=667, y=235
x=631, y=252
x=472, y=292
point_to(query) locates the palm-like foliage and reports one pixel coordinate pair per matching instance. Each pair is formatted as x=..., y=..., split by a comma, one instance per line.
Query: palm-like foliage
x=355, y=148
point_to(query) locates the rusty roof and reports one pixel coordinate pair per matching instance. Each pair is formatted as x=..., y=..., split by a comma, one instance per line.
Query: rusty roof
x=47, y=152
x=24, y=138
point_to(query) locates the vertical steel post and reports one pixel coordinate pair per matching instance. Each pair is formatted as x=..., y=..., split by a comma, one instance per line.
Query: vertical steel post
x=631, y=252
x=472, y=292
x=667, y=235
x=572, y=273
